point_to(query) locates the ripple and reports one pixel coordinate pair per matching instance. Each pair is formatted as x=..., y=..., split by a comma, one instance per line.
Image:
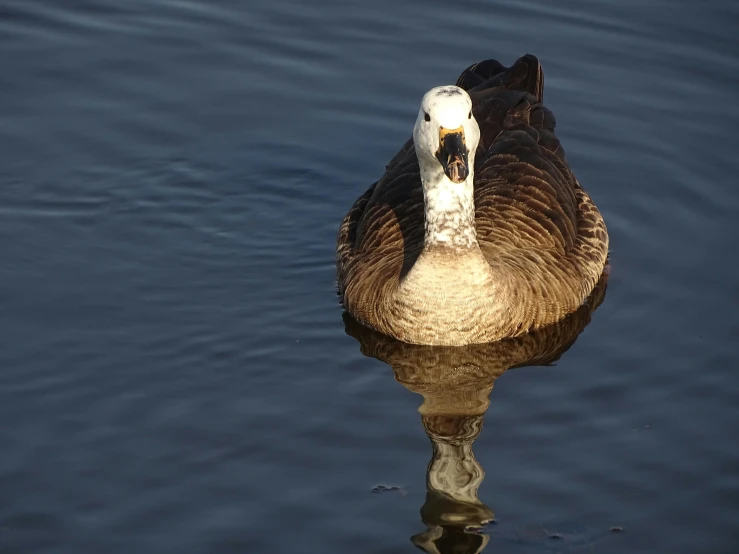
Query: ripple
x=175, y=372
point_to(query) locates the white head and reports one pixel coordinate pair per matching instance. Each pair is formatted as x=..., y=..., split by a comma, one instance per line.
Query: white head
x=446, y=135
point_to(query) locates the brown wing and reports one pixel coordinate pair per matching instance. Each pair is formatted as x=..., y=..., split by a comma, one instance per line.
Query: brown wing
x=524, y=190
x=534, y=221
x=382, y=235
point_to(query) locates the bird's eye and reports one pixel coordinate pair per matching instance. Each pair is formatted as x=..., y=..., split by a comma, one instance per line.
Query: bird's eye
x=469, y=116
x=426, y=116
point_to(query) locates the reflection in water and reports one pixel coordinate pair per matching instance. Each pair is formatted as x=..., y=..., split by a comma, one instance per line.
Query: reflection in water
x=455, y=383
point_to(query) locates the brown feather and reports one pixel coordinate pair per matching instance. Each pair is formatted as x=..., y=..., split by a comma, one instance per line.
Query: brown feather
x=537, y=228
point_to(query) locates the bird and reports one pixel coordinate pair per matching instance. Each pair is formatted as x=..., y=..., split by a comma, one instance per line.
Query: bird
x=478, y=230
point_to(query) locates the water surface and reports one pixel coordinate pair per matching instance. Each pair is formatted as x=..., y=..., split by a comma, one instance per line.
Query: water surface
x=175, y=373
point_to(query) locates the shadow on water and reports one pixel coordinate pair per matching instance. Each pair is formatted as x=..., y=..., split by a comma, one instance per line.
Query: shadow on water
x=456, y=383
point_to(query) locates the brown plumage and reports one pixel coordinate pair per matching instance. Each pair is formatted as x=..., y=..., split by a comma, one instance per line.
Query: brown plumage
x=542, y=242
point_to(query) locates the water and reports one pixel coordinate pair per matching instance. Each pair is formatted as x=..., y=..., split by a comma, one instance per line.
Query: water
x=175, y=373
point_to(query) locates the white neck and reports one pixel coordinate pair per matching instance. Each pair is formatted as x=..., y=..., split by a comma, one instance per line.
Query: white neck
x=449, y=209
x=455, y=471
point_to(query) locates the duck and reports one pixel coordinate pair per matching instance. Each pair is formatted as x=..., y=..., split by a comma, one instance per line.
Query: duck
x=478, y=230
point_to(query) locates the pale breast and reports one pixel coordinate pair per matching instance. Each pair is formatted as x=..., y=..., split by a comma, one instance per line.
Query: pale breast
x=444, y=298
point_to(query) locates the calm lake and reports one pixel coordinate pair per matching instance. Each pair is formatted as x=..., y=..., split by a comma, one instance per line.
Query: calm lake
x=175, y=371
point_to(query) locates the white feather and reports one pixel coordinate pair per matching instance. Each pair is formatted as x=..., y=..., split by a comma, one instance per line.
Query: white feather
x=449, y=206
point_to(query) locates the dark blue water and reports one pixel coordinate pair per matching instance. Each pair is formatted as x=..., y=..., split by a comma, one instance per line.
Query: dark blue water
x=175, y=373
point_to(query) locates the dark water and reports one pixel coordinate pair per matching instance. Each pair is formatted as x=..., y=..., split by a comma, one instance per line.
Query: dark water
x=175, y=374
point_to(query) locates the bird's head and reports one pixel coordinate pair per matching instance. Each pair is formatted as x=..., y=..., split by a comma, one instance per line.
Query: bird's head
x=446, y=132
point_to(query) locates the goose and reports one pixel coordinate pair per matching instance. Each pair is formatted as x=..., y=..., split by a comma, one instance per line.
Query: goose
x=478, y=230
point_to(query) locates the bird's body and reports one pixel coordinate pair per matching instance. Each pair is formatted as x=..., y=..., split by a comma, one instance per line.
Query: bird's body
x=478, y=230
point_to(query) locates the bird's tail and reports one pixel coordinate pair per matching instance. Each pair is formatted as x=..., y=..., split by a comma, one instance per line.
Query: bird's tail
x=525, y=75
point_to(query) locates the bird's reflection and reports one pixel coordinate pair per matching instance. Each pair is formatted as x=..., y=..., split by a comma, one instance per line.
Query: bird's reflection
x=455, y=383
